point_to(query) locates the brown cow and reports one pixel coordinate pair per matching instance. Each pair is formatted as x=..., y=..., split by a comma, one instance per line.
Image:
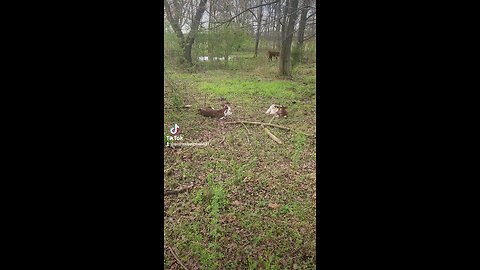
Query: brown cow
x=273, y=54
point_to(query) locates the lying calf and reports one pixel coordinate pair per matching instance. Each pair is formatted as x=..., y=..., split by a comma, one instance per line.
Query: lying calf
x=277, y=110
x=221, y=113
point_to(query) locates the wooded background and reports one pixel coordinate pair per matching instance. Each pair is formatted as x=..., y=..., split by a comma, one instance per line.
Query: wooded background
x=216, y=28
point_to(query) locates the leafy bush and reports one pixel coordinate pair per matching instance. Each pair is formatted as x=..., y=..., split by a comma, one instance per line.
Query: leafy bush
x=221, y=43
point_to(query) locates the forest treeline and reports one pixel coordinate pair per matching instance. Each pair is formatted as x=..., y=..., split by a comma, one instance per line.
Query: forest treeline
x=218, y=28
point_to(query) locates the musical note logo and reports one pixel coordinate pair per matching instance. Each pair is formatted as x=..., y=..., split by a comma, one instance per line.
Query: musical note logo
x=175, y=129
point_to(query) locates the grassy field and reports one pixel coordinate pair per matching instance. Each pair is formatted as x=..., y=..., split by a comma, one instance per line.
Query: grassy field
x=252, y=205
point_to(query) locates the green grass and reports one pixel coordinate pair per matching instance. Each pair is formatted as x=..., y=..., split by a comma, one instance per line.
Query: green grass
x=300, y=142
x=231, y=87
x=226, y=221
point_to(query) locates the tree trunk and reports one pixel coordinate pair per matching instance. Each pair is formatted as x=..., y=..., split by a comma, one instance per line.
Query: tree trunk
x=186, y=43
x=193, y=31
x=259, y=26
x=285, y=65
x=278, y=41
x=187, y=50
x=174, y=23
x=283, y=25
x=303, y=22
x=209, y=45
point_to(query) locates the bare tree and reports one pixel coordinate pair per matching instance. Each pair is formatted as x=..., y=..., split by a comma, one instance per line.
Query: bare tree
x=274, y=21
x=303, y=23
x=211, y=15
x=175, y=16
x=259, y=27
x=290, y=15
x=278, y=12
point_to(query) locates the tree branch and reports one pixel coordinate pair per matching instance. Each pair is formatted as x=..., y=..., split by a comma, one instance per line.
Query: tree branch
x=176, y=258
x=248, y=9
x=277, y=140
x=253, y=13
x=177, y=190
x=311, y=15
x=173, y=22
x=196, y=21
x=268, y=124
x=310, y=36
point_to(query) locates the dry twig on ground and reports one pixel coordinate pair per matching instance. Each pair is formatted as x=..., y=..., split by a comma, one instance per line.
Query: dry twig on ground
x=248, y=132
x=277, y=140
x=268, y=124
x=271, y=119
x=177, y=190
x=176, y=258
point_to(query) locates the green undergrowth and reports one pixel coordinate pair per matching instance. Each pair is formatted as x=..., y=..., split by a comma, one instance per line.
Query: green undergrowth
x=251, y=206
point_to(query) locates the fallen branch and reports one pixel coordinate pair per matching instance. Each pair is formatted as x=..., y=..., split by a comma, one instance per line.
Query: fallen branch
x=176, y=258
x=267, y=124
x=248, y=132
x=272, y=136
x=258, y=123
x=178, y=190
x=271, y=119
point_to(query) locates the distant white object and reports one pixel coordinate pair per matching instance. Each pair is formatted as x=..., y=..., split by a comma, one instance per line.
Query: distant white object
x=205, y=58
x=272, y=110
